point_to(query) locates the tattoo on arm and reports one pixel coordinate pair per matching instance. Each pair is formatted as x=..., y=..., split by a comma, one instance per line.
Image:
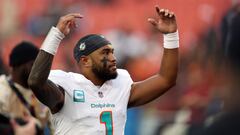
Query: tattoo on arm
x=41, y=67
x=45, y=90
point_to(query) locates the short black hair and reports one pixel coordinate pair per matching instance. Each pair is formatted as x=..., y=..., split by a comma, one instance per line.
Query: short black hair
x=22, y=53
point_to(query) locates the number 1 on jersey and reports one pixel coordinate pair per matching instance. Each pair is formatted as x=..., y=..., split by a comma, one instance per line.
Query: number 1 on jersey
x=106, y=118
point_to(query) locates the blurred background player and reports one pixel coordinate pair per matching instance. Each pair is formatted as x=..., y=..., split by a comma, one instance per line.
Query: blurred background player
x=227, y=122
x=16, y=99
x=27, y=129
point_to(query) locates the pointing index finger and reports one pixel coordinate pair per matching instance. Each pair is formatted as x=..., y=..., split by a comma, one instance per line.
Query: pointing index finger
x=75, y=15
x=157, y=9
x=71, y=17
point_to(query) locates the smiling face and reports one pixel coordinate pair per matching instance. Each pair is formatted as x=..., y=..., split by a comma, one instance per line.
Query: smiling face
x=104, y=63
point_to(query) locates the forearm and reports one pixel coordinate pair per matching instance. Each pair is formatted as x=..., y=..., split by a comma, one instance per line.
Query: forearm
x=42, y=65
x=41, y=69
x=169, y=65
x=45, y=90
x=170, y=59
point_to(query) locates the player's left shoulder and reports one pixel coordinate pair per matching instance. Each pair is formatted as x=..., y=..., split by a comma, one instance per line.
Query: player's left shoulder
x=59, y=76
x=123, y=80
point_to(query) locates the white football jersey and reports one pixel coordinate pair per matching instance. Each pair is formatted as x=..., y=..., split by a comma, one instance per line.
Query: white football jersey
x=90, y=109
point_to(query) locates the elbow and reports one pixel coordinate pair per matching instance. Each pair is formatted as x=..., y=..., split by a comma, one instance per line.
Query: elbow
x=169, y=80
x=171, y=83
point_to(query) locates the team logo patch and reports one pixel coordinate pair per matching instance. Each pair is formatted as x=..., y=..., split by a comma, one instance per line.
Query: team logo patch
x=78, y=96
x=102, y=36
x=82, y=46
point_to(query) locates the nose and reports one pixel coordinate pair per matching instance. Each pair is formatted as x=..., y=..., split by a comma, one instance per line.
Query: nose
x=112, y=57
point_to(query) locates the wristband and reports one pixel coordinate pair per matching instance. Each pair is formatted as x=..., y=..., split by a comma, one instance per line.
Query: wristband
x=52, y=41
x=171, y=40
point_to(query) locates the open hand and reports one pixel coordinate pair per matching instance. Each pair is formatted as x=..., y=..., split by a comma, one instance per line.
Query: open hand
x=67, y=22
x=166, y=21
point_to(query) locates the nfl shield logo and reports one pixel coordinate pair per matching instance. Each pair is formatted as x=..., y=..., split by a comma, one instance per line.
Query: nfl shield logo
x=100, y=94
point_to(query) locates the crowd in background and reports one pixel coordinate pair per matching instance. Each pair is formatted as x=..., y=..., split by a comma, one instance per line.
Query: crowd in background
x=203, y=26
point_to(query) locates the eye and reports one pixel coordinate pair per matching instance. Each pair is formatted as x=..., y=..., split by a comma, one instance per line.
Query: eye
x=105, y=52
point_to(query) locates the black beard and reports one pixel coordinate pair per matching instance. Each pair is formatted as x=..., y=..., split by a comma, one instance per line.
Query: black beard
x=103, y=73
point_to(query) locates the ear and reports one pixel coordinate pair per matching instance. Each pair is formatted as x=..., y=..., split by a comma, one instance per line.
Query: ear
x=85, y=61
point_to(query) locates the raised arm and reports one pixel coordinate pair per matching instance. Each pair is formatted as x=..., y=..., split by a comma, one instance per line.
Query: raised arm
x=45, y=90
x=155, y=86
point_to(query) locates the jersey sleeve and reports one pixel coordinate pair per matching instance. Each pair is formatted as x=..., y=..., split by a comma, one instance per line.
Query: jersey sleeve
x=124, y=81
x=59, y=77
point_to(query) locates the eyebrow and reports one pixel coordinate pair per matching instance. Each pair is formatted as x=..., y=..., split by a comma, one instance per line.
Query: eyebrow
x=107, y=49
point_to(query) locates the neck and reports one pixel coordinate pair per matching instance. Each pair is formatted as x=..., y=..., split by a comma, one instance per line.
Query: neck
x=95, y=80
